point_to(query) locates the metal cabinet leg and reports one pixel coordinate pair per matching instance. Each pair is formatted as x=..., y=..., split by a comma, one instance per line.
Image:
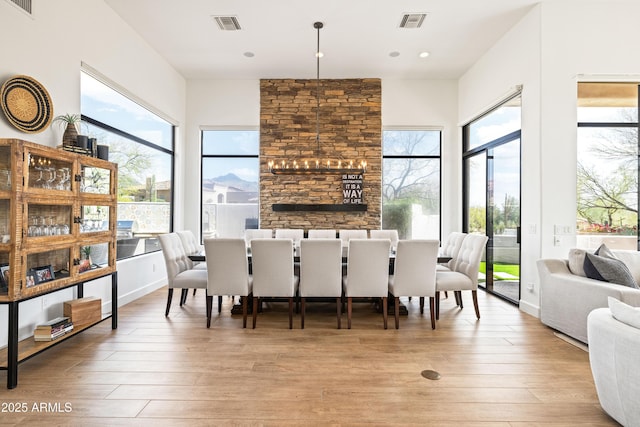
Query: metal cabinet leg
x=114, y=300
x=12, y=353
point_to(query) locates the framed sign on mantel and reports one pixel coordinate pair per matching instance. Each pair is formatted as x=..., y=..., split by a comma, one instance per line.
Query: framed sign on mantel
x=352, y=189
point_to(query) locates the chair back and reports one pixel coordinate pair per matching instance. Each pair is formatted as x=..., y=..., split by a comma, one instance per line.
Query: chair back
x=295, y=234
x=320, y=268
x=272, y=267
x=346, y=235
x=470, y=256
x=321, y=234
x=368, y=268
x=256, y=233
x=451, y=247
x=175, y=258
x=189, y=242
x=415, y=268
x=385, y=234
x=227, y=267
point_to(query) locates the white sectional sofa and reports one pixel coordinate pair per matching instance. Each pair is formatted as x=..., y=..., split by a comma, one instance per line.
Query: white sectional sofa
x=566, y=299
x=614, y=347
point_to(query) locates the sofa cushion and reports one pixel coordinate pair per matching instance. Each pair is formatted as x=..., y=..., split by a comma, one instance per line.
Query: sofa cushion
x=608, y=270
x=631, y=259
x=576, y=261
x=624, y=312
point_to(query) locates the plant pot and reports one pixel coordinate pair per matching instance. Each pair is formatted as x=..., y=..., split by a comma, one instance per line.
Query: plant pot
x=70, y=135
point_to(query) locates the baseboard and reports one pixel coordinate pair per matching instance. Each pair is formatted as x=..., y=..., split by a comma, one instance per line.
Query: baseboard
x=531, y=309
x=140, y=292
x=574, y=342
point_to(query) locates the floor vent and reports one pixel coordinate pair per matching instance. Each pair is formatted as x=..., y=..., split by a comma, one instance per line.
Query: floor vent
x=23, y=4
x=412, y=20
x=227, y=23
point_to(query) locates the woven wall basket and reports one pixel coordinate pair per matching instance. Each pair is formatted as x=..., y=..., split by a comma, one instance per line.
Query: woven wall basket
x=26, y=103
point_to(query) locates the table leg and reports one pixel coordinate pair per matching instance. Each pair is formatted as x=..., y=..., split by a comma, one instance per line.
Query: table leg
x=114, y=300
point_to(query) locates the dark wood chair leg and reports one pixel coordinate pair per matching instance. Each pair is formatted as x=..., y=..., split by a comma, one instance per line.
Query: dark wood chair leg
x=302, y=310
x=421, y=305
x=244, y=312
x=255, y=311
x=474, y=295
x=209, y=300
x=219, y=304
x=183, y=297
x=338, y=310
x=290, y=312
x=349, y=309
x=459, y=293
x=169, y=297
x=194, y=292
x=396, y=311
x=446, y=294
x=432, y=309
x=385, y=313
x=437, y=305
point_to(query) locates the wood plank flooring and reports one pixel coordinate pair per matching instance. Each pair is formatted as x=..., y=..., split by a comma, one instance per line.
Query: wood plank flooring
x=506, y=369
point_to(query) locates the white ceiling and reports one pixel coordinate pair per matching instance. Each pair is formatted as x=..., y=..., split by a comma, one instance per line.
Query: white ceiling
x=356, y=40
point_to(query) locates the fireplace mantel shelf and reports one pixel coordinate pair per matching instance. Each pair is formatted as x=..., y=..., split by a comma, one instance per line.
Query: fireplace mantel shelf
x=321, y=207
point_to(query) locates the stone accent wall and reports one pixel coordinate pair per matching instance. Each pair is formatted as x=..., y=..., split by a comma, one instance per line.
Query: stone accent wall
x=350, y=128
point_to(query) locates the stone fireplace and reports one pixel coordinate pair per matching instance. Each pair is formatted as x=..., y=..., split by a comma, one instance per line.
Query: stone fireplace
x=350, y=127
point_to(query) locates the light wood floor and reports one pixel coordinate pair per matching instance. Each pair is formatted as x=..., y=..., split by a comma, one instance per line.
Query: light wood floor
x=505, y=370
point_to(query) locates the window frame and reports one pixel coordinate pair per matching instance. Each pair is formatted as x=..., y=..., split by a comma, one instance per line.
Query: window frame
x=418, y=156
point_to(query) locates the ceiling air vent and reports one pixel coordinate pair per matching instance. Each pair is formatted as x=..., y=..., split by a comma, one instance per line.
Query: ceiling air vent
x=412, y=20
x=25, y=5
x=227, y=23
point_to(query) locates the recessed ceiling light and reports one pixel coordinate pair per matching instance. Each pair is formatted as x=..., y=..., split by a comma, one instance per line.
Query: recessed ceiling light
x=423, y=54
x=319, y=54
x=394, y=54
x=249, y=54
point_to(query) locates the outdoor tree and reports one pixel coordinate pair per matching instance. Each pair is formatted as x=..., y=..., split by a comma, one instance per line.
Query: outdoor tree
x=607, y=195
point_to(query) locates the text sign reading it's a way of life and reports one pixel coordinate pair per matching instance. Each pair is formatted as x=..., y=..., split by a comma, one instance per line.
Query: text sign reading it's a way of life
x=352, y=189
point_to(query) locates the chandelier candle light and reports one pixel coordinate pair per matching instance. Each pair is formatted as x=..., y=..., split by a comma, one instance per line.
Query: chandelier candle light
x=317, y=166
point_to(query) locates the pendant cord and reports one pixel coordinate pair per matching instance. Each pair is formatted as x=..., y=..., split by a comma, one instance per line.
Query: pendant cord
x=318, y=25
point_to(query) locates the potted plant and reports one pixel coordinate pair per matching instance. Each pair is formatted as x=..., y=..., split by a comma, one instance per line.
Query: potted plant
x=70, y=122
x=85, y=262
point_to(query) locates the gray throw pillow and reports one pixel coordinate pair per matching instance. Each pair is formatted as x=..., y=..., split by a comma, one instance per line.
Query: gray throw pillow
x=608, y=270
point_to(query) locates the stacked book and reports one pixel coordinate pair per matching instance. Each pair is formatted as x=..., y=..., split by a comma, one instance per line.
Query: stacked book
x=53, y=329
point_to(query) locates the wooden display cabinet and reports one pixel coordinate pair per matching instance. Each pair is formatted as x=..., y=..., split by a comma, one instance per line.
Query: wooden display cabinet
x=57, y=230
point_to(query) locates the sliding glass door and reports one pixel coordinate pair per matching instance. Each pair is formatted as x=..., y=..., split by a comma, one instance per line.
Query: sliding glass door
x=492, y=195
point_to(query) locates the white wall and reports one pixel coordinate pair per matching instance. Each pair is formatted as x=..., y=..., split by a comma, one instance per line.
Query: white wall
x=236, y=103
x=50, y=47
x=214, y=103
x=513, y=61
x=553, y=47
x=431, y=103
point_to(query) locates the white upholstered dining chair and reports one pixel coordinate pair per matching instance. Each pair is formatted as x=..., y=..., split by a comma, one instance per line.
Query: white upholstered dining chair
x=272, y=264
x=367, y=273
x=450, y=248
x=464, y=276
x=228, y=273
x=320, y=272
x=179, y=275
x=256, y=233
x=295, y=234
x=385, y=234
x=346, y=235
x=321, y=234
x=415, y=274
